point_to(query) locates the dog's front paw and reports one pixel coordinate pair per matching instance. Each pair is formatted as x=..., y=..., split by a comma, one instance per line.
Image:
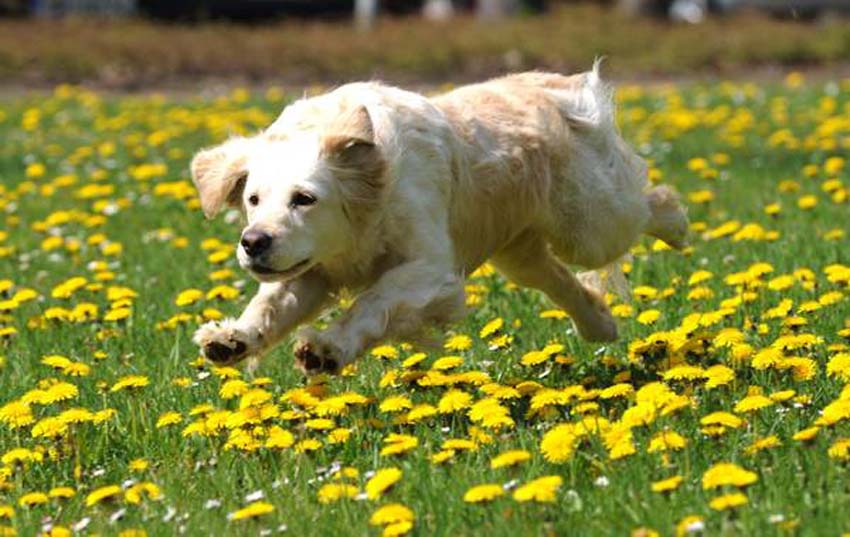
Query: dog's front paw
x=223, y=342
x=314, y=354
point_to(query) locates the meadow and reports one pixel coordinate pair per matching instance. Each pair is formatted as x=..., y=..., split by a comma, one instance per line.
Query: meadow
x=722, y=410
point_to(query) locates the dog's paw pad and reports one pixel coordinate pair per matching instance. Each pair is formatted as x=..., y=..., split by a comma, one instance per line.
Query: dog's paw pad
x=312, y=362
x=221, y=342
x=222, y=353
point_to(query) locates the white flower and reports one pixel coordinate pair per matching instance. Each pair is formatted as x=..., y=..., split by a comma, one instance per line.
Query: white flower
x=255, y=496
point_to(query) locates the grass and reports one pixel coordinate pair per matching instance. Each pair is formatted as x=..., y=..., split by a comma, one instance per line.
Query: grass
x=97, y=188
x=135, y=54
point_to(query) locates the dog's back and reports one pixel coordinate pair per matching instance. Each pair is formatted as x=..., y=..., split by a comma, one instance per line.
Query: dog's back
x=545, y=153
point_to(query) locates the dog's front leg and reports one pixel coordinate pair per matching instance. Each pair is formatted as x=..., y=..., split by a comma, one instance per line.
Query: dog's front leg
x=397, y=305
x=276, y=309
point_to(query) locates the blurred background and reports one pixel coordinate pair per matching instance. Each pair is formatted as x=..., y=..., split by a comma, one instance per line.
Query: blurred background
x=139, y=44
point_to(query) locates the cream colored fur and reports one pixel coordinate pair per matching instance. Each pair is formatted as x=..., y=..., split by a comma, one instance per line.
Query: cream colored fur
x=412, y=194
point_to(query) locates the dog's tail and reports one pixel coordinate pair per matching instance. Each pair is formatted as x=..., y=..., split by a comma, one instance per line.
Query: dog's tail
x=590, y=104
x=586, y=104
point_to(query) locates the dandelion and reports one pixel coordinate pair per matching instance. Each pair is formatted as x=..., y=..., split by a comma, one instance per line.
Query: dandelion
x=509, y=458
x=667, y=485
x=138, y=465
x=395, y=404
x=382, y=481
x=459, y=342
x=397, y=444
x=728, y=501
x=762, y=444
x=446, y=363
x=559, y=444
x=33, y=499
x=491, y=328
x=542, y=489
x=483, y=493
x=392, y=513
x=168, y=418
x=102, y=494
x=252, y=510
x=333, y=492
x=727, y=474
x=666, y=440
x=130, y=382
x=387, y=352
x=752, y=403
x=188, y=297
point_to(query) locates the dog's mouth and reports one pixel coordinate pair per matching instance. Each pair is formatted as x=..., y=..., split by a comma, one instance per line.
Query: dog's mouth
x=286, y=273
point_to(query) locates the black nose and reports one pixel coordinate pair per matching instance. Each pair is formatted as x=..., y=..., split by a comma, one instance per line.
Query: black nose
x=255, y=242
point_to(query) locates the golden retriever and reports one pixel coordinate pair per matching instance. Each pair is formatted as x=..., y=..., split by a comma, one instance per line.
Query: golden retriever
x=397, y=197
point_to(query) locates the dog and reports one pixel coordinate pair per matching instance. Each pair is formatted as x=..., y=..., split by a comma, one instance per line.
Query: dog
x=397, y=197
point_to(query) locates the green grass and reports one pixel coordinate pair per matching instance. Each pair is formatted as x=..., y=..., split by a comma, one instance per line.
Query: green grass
x=99, y=140
x=138, y=54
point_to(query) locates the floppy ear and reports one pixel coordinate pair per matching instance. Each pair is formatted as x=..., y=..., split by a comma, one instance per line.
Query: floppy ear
x=219, y=174
x=349, y=145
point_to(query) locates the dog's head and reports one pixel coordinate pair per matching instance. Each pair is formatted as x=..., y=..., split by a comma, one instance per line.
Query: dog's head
x=305, y=194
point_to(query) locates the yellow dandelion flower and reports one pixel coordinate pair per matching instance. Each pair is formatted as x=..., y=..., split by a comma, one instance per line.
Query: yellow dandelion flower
x=102, y=494
x=483, y=493
x=307, y=445
x=396, y=444
x=395, y=403
x=559, y=443
x=753, y=403
x=137, y=492
x=279, y=438
x=138, y=465
x=32, y=499
x=806, y=435
x=509, y=458
x=727, y=474
x=725, y=419
x=542, y=489
x=840, y=449
x=446, y=363
x=459, y=342
x=648, y=317
x=129, y=382
x=382, y=481
x=188, y=297
x=252, y=510
x=391, y=514
x=491, y=328
x=168, y=418
x=443, y=456
x=387, y=352
x=667, y=485
x=333, y=492
x=62, y=493
x=728, y=501
x=667, y=440
x=762, y=444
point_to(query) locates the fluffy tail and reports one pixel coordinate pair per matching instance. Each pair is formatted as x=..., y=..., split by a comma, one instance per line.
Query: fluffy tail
x=669, y=220
x=589, y=104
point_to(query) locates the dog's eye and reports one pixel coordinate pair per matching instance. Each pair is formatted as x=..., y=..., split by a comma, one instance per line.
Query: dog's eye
x=301, y=199
x=254, y=199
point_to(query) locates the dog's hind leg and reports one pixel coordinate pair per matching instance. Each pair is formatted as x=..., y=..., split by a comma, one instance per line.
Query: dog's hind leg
x=669, y=220
x=528, y=262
